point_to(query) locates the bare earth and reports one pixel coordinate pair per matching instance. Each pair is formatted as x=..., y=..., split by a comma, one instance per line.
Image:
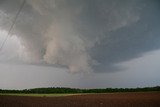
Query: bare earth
x=145, y=99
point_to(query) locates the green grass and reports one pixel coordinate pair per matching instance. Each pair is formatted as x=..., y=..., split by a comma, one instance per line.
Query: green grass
x=39, y=95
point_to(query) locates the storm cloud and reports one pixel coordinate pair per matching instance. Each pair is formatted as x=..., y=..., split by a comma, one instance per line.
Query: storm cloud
x=83, y=35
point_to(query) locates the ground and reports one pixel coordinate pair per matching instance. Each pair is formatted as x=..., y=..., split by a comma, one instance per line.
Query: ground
x=134, y=99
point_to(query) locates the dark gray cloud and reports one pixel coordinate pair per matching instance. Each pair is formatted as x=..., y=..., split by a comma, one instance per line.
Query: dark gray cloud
x=131, y=41
x=84, y=35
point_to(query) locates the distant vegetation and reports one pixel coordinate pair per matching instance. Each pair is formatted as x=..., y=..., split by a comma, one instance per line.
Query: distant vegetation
x=52, y=90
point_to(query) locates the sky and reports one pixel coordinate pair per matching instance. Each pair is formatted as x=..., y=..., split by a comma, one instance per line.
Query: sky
x=80, y=43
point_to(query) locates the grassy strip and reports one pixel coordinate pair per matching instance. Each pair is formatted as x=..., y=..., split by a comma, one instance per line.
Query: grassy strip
x=65, y=94
x=38, y=95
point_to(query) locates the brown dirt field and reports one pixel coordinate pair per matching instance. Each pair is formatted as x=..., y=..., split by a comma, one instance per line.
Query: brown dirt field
x=146, y=99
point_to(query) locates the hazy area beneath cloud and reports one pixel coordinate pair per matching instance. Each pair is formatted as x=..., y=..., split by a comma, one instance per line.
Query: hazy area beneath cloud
x=81, y=35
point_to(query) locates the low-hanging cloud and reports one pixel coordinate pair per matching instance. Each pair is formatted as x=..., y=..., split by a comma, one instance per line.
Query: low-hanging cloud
x=83, y=35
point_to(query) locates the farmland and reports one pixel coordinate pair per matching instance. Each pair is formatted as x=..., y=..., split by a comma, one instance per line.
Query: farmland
x=36, y=95
x=127, y=99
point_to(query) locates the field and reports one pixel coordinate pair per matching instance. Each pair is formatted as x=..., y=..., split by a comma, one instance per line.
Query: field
x=134, y=99
x=39, y=95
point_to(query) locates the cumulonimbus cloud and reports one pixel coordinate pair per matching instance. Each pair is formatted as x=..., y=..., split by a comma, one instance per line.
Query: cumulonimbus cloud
x=81, y=35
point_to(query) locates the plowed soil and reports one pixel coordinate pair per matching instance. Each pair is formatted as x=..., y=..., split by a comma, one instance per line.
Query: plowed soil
x=147, y=99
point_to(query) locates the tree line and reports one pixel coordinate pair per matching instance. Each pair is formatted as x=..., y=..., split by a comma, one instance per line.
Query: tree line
x=75, y=90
